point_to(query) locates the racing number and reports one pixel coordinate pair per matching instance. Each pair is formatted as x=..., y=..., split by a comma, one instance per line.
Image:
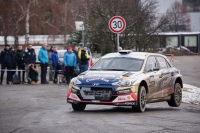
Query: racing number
x=117, y=24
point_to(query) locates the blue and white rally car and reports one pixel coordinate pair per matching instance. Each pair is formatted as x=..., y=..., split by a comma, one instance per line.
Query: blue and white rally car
x=127, y=78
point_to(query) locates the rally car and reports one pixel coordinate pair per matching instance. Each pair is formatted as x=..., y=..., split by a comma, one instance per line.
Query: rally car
x=127, y=78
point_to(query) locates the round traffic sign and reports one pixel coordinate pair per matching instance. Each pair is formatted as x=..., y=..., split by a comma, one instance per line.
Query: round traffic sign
x=117, y=24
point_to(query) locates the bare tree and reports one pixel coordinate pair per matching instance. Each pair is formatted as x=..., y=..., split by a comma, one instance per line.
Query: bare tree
x=178, y=17
x=140, y=16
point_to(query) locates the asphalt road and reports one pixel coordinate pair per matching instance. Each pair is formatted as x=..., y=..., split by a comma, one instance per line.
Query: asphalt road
x=43, y=109
x=189, y=67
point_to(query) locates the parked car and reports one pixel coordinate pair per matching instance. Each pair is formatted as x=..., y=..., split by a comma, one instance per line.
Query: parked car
x=61, y=54
x=127, y=78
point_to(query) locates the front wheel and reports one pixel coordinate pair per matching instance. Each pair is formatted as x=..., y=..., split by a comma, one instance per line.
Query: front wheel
x=79, y=107
x=141, y=100
x=176, y=97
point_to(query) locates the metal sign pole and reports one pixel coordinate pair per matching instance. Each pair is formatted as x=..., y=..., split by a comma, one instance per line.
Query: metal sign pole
x=117, y=41
x=83, y=36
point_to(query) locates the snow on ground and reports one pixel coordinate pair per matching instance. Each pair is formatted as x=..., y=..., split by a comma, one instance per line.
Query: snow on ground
x=191, y=94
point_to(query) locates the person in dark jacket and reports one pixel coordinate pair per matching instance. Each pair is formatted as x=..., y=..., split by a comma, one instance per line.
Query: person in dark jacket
x=20, y=63
x=77, y=68
x=6, y=63
x=70, y=63
x=55, y=63
x=84, y=57
x=29, y=56
x=44, y=60
x=14, y=63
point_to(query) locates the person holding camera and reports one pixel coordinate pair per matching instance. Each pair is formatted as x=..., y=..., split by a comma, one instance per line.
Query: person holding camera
x=32, y=70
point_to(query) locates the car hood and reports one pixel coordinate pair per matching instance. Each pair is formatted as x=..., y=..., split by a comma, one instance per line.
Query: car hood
x=103, y=77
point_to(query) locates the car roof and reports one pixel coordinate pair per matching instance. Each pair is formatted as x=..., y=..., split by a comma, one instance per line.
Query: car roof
x=130, y=54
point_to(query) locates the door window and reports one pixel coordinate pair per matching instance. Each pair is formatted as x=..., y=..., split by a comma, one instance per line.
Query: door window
x=151, y=63
x=162, y=62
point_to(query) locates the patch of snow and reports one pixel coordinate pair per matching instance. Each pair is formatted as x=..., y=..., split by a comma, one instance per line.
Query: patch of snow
x=184, y=48
x=191, y=94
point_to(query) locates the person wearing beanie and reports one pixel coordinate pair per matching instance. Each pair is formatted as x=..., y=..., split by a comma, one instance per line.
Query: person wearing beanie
x=6, y=63
x=69, y=63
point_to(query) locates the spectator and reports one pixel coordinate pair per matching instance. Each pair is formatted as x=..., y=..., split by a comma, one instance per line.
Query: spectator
x=32, y=71
x=51, y=73
x=55, y=64
x=70, y=63
x=28, y=57
x=6, y=62
x=77, y=69
x=20, y=63
x=14, y=65
x=44, y=60
x=84, y=57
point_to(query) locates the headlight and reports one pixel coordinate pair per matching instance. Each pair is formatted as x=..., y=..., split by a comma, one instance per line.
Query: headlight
x=124, y=83
x=75, y=81
x=123, y=91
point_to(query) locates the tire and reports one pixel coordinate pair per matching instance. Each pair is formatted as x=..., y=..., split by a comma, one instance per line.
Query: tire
x=141, y=100
x=79, y=107
x=176, y=97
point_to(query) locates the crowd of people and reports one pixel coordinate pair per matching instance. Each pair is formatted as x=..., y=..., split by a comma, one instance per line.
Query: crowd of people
x=22, y=63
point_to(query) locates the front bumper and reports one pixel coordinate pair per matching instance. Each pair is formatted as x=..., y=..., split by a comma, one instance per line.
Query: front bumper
x=129, y=99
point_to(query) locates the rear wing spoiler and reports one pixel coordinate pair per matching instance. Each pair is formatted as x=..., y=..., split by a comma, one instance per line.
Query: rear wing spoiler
x=170, y=57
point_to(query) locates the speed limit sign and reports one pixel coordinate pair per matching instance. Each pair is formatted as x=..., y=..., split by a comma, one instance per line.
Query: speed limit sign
x=117, y=24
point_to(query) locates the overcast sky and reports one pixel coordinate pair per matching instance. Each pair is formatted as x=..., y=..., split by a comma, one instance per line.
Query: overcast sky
x=163, y=5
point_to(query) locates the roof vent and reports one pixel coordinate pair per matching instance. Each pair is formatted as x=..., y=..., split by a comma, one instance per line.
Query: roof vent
x=125, y=51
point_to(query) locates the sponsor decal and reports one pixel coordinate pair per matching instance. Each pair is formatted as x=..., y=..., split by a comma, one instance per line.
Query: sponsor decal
x=102, y=75
x=129, y=103
x=151, y=81
x=166, y=82
x=93, y=79
x=123, y=98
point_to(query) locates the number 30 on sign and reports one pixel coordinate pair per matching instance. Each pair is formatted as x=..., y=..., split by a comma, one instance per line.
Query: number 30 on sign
x=117, y=24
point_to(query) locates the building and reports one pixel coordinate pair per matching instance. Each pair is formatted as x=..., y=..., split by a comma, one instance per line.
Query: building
x=57, y=40
x=193, y=8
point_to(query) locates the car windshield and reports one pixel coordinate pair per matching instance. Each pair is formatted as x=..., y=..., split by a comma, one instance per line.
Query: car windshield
x=118, y=64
